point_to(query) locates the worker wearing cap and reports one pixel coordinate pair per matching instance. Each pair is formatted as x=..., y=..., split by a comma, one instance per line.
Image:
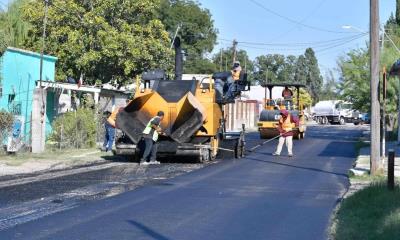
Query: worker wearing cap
x=150, y=136
x=284, y=127
x=236, y=69
x=287, y=93
x=235, y=76
x=110, y=126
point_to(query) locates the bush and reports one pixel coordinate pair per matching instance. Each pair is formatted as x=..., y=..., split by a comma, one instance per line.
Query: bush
x=6, y=123
x=75, y=129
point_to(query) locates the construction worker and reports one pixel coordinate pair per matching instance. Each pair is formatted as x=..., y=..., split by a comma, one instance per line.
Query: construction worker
x=110, y=126
x=236, y=69
x=150, y=136
x=232, y=86
x=284, y=127
x=287, y=93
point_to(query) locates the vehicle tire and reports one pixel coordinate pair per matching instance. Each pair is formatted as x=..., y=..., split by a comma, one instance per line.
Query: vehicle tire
x=356, y=123
x=319, y=120
x=342, y=121
x=324, y=121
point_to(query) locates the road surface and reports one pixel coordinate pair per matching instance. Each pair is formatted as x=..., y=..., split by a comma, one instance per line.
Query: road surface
x=258, y=197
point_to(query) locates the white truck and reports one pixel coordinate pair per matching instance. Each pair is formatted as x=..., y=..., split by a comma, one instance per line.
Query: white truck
x=336, y=111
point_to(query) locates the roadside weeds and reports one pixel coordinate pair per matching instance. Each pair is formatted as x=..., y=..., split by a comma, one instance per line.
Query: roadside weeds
x=28, y=163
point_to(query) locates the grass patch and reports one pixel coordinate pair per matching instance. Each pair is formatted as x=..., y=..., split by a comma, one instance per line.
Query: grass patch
x=371, y=213
x=65, y=155
x=360, y=144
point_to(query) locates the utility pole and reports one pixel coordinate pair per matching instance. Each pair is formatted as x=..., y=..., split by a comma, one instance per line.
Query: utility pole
x=384, y=86
x=375, y=111
x=176, y=34
x=46, y=5
x=235, y=43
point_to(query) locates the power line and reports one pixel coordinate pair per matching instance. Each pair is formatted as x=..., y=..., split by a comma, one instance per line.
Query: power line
x=337, y=45
x=292, y=20
x=316, y=43
x=303, y=19
x=318, y=48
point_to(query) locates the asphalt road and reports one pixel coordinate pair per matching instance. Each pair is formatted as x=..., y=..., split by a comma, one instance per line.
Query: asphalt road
x=258, y=197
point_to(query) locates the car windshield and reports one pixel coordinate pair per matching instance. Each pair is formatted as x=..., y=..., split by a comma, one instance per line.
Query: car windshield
x=346, y=106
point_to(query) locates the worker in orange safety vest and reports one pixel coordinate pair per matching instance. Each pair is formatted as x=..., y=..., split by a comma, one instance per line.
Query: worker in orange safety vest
x=285, y=129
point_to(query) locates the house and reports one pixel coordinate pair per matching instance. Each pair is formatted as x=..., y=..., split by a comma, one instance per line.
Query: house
x=20, y=70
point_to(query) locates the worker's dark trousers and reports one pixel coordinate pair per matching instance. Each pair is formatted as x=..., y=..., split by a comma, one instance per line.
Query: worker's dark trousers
x=151, y=147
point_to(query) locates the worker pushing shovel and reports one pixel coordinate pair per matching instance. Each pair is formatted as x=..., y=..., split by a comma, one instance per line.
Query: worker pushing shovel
x=284, y=127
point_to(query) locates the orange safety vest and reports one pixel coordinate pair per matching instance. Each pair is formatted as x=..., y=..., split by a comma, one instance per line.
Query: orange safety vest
x=286, y=124
x=236, y=75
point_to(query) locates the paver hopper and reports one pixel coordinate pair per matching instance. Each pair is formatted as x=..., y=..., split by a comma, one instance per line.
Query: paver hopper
x=193, y=120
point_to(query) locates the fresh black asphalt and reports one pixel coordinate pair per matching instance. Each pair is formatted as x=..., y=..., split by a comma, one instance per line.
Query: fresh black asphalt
x=258, y=197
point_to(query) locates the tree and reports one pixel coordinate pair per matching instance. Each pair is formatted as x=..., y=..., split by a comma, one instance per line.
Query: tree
x=223, y=61
x=200, y=66
x=313, y=75
x=329, y=89
x=103, y=40
x=269, y=66
x=305, y=98
x=13, y=29
x=197, y=32
x=6, y=122
x=398, y=12
x=277, y=67
x=300, y=75
x=354, y=71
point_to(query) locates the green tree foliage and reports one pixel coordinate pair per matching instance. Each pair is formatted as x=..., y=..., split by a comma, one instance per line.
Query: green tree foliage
x=103, y=40
x=305, y=98
x=6, y=122
x=271, y=67
x=290, y=69
x=200, y=66
x=313, y=75
x=13, y=29
x=330, y=87
x=223, y=61
x=75, y=129
x=398, y=12
x=355, y=78
x=197, y=31
x=300, y=75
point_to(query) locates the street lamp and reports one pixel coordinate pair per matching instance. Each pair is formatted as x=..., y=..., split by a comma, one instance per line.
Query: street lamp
x=355, y=28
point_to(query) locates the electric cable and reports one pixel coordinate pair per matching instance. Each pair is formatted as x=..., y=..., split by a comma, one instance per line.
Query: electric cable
x=295, y=43
x=303, y=19
x=292, y=20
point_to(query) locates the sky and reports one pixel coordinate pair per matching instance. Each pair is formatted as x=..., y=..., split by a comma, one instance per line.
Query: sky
x=290, y=26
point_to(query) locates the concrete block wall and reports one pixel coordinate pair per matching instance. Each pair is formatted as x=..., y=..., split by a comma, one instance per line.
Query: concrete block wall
x=241, y=112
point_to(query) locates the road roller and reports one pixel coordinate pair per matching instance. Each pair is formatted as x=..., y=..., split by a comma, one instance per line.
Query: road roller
x=270, y=115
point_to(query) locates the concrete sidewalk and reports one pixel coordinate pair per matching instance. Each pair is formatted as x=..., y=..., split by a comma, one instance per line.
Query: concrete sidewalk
x=362, y=165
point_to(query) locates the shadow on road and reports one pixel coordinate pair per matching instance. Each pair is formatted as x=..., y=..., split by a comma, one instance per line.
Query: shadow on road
x=153, y=234
x=299, y=167
x=337, y=149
